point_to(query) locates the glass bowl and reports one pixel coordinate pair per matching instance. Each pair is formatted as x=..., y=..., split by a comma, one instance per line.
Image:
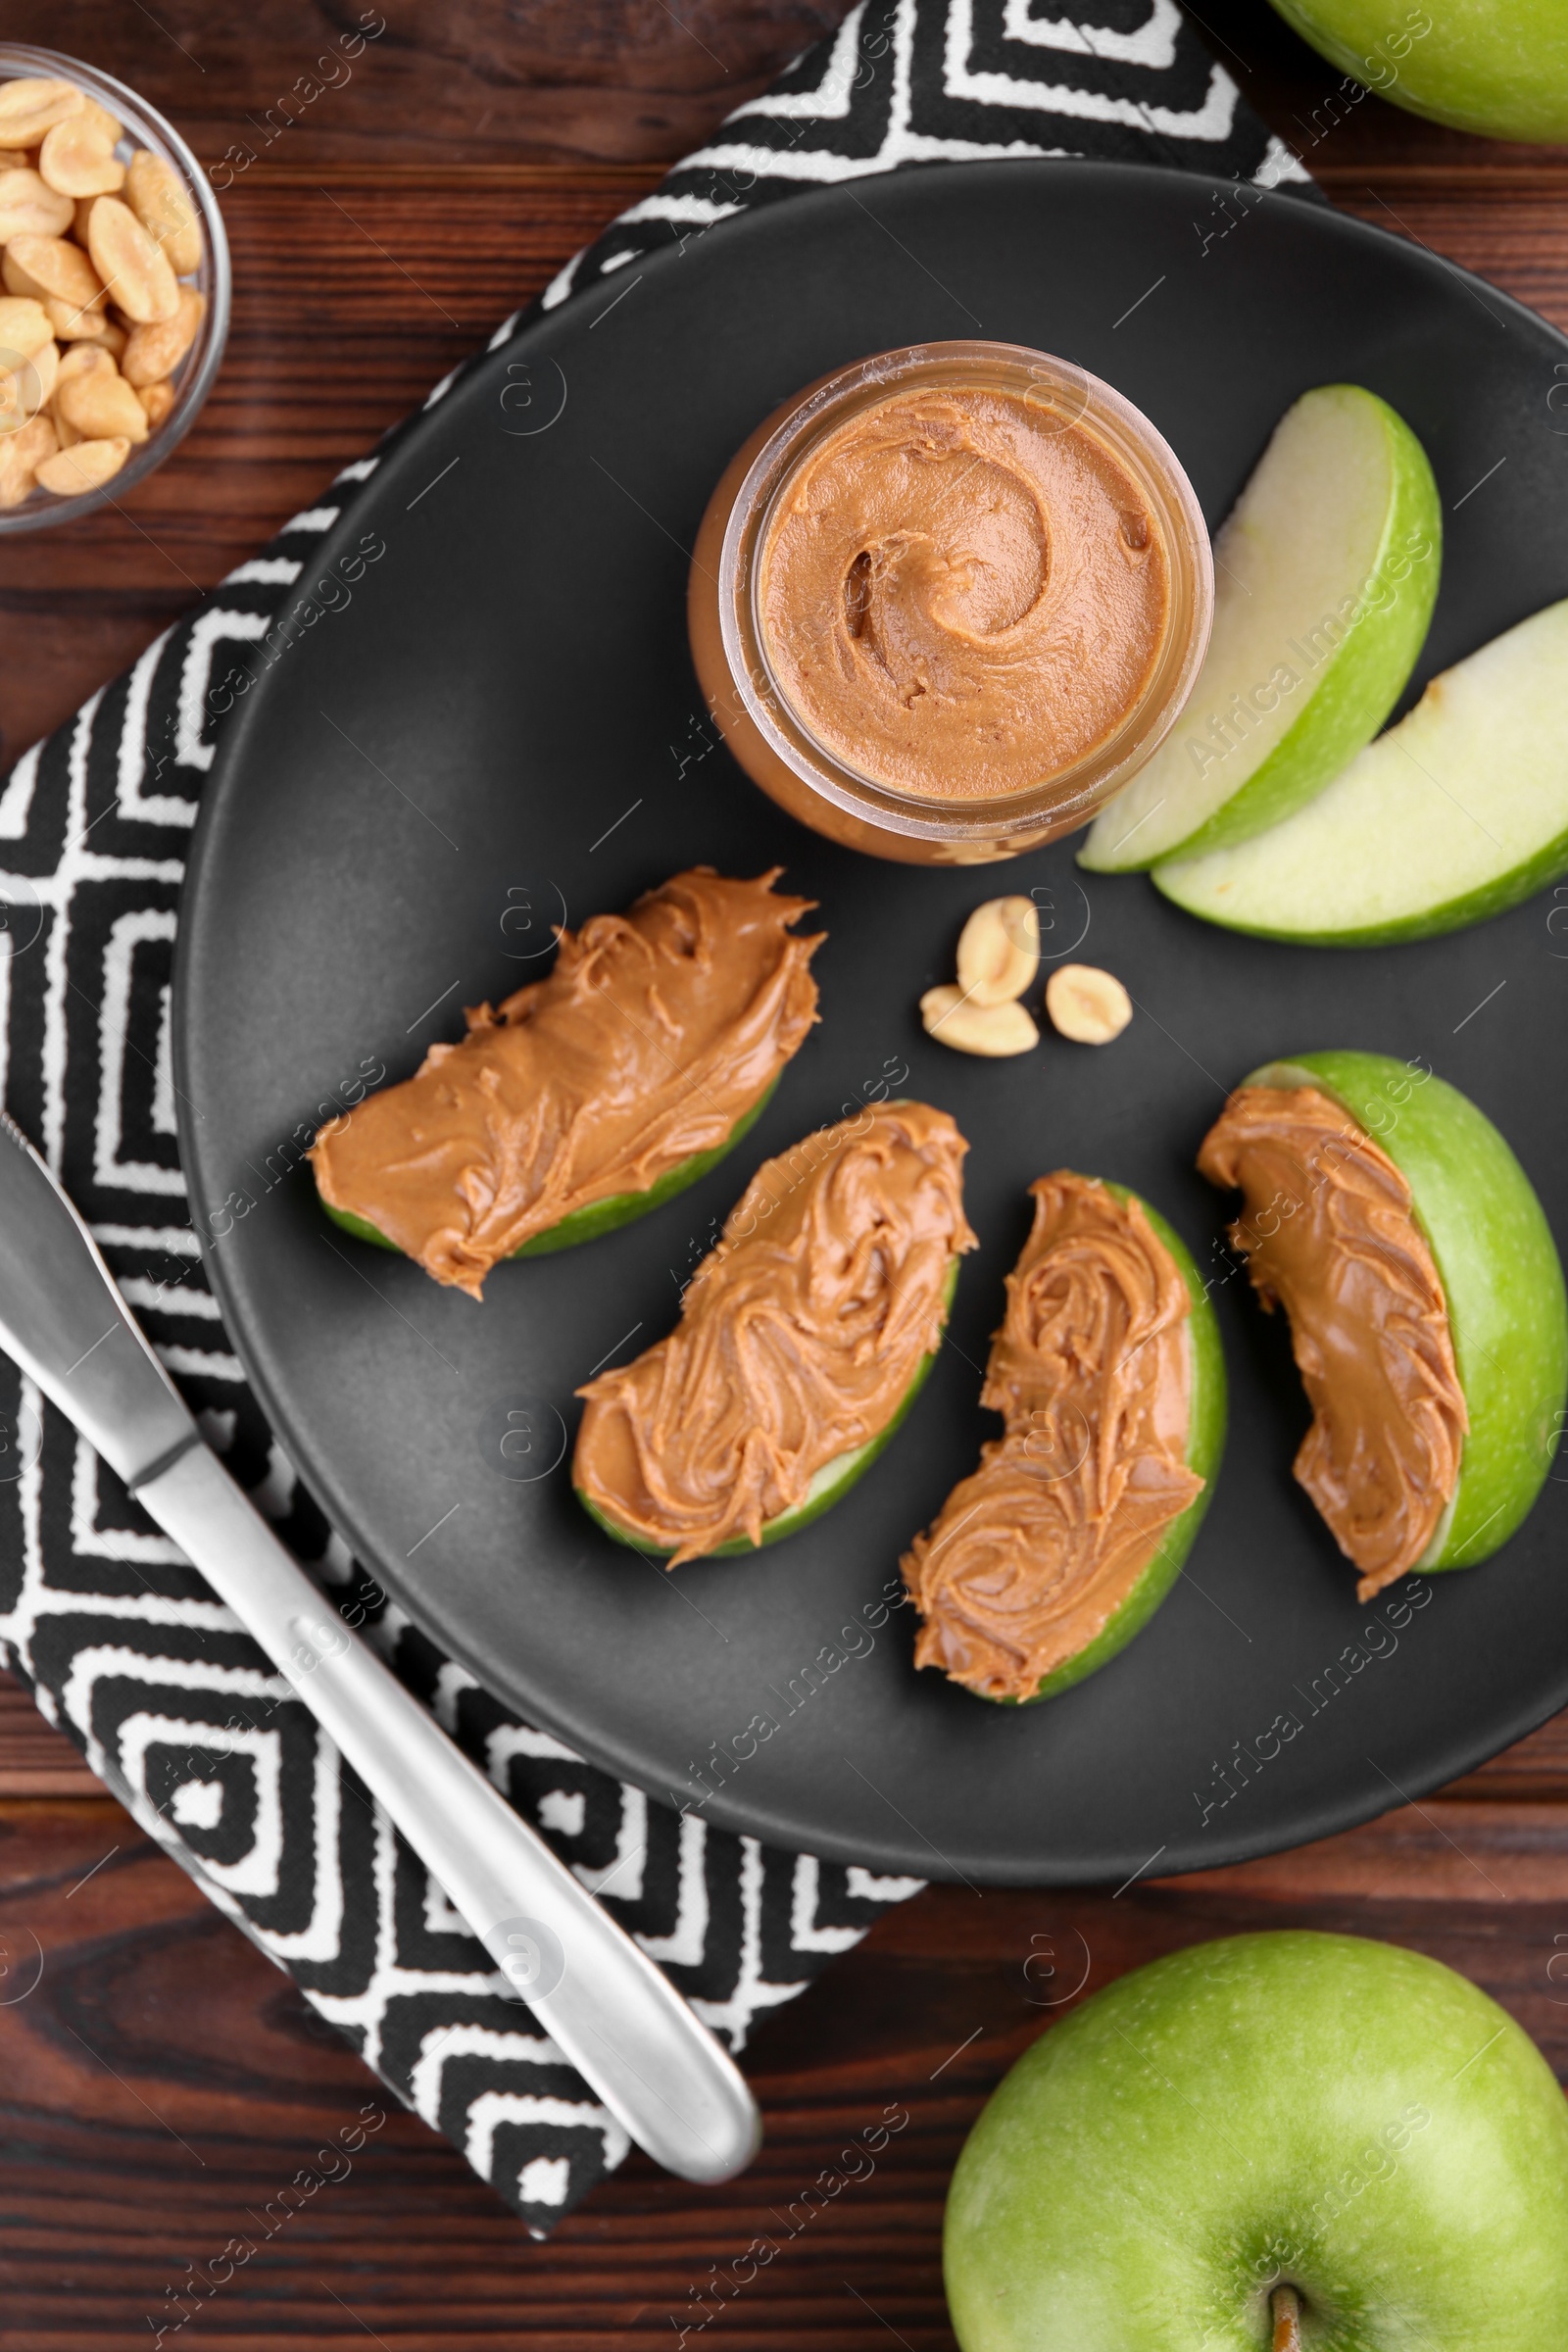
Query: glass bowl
x=192, y=379
x=762, y=725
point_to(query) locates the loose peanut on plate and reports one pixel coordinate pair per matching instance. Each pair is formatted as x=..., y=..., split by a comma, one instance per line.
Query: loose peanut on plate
x=156, y=350
x=991, y=1029
x=24, y=328
x=31, y=106
x=136, y=273
x=101, y=405
x=157, y=400
x=999, y=950
x=21, y=454
x=85, y=465
x=29, y=207
x=77, y=157
x=1087, y=1004
x=162, y=203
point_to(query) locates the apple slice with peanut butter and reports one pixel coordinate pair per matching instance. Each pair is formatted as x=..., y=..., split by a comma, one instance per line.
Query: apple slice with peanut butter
x=588, y=1097
x=1389, y=1219
x=804, y=1337
x=1108, y=1376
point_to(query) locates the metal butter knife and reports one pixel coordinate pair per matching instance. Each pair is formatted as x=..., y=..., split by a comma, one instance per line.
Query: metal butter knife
x=604, y=2003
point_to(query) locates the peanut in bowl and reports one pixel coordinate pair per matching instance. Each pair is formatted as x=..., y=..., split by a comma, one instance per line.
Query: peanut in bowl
x=114, y=288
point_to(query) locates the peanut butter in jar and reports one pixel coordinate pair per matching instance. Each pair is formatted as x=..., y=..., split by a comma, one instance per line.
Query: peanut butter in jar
x=945, y=603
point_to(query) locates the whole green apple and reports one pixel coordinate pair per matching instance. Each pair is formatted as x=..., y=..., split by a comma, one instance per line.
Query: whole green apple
x=1496, y=66
x=1319, y=2112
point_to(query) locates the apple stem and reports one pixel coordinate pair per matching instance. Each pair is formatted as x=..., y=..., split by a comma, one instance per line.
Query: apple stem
x=1285, y=2304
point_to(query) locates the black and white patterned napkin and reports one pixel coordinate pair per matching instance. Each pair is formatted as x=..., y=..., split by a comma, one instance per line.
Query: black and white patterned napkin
x=124, y=1648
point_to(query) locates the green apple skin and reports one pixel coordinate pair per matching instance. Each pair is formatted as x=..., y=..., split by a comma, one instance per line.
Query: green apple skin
x=1549, y=864
x=597, y=1216
x=1391, y=850
x=1346, y=2116
x=1501, y=1274
x=1359, y=686
x=1498, y=68
x=1205, y=1444
x=830, y=1484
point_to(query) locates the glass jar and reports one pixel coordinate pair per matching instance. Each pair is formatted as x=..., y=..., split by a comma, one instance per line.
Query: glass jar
x=192, y=378
x=936, y=818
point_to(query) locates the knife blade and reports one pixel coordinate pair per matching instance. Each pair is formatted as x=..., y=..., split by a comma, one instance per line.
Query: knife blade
x=65, y=1323
x=611, y=2011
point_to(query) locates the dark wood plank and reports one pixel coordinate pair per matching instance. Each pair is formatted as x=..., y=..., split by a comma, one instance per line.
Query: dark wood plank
x=162, y=2083
x=604, y=80
x=1536, y=1769
x=36, y=1760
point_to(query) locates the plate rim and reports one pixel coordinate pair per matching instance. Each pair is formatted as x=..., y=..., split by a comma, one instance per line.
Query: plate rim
x=896, y=1854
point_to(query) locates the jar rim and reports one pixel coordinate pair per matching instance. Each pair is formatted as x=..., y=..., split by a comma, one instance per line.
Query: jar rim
x=1070, y=795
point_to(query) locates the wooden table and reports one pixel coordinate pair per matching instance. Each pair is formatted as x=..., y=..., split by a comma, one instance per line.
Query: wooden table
x=163, y=2080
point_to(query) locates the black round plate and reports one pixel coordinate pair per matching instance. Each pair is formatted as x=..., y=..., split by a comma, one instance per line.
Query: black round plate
x=501, y=730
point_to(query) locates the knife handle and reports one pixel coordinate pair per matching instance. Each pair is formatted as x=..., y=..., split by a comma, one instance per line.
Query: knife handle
x=605, y=2005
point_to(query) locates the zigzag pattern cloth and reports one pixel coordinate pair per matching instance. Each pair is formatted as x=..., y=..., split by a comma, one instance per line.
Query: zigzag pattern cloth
x=120, y=1641
x=929, y=82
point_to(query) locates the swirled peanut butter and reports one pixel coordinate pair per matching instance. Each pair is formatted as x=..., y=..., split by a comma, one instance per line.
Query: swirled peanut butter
x=1329, y=1233
x=961, y=592
x=799, y=1336
x=650, y=1036
x=1091, y=1371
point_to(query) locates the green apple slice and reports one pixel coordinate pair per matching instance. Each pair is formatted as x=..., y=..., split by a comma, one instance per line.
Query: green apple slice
x=1459, y=812
x=829, y=1486
x=587, y=1223
x=1205, y=1443
x=1326, y=575
x=1500, y=1275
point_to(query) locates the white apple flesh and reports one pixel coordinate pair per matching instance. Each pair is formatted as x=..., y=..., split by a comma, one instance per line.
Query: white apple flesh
x=1326, y=574
x=1459, y=812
